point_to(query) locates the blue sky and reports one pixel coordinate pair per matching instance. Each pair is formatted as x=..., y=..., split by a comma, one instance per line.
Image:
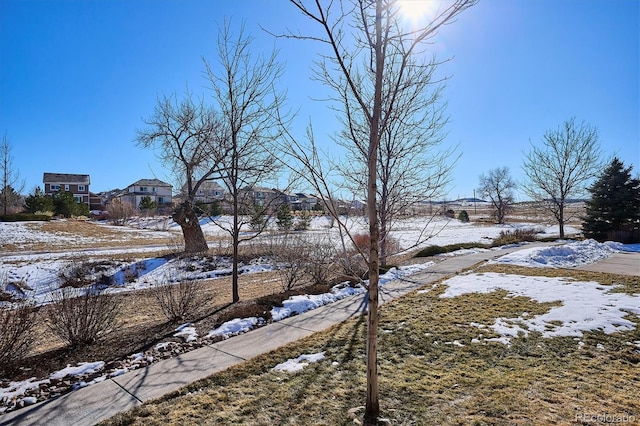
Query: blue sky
x=78, y=76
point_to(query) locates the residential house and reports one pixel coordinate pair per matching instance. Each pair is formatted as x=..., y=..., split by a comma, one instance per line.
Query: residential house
x=208, y=192
x=308, y=202
x=158, y=191
x=258, y=196
x=287, y=198
x=76, y=184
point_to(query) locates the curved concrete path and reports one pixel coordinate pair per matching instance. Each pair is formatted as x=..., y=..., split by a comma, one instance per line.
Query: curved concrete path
x=95, y=403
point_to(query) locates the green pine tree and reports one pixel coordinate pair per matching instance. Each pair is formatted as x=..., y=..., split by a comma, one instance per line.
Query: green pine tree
x=39, y=202
x=285, y=218
x=147, y=204
x=613, y=212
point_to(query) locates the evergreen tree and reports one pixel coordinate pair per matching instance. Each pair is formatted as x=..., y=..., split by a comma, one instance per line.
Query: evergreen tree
x=66, y=205
x=147, y=204
x=39, y=202
x=258, y=221
x=284, y=219
x=10, y=200
x=463, y=216
x=613, y=212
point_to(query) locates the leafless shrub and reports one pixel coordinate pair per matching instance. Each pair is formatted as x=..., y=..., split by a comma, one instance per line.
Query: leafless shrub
x=83, y=274
x=515, y=236
x=17, y=322
x=322, y=261
x=120, y=211
x=81, y=316
x=292, y=258
x=179, y=299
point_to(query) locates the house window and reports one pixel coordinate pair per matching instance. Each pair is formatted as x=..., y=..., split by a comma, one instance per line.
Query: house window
x=161, y=200
x=55, y=187
x=78, y=198
x=66, y=187
x=259, y=195
x=143, y=189
x=153, y=189
x=81, y=188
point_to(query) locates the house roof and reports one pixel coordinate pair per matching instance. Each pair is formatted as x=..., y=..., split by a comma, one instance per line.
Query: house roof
x=66, y=178
x=150, y=182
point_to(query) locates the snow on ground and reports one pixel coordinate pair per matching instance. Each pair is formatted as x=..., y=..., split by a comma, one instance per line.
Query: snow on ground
x=82, y=368
x=235, y=327
x=187, y=332
x=586, y=306
x=297, y=364
x=303, y=303
x=22, y=233
x=562, y=256
x=37, y=274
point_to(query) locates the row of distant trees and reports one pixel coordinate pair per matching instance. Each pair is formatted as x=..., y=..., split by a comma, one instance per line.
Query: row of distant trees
x=561, y=170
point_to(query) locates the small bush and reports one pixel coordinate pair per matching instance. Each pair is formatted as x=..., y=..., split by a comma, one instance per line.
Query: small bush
x=17, y=323
x=292, y=259
x=24, y=217
x=322, y=260
x=362, y=242
x=81, y=316
x=434, y=250
x=515, y=236
x=463, y=216
x=181, y=300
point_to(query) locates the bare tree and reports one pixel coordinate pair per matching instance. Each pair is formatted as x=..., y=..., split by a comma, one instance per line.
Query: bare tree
x=11, y=186
x=562, y=167
x=191, y=141
x=498, y=186
x=367, y=50
x=409, y=168
x=244, y=92
x=120, y=211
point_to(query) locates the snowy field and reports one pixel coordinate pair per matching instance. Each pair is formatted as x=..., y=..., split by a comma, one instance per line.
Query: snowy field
x=34, y=275
x=584, y=306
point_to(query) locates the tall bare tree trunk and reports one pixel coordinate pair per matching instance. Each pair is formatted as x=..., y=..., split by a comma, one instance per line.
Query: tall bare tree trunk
x=372, y=408
x=186, y=217
x=236, y=243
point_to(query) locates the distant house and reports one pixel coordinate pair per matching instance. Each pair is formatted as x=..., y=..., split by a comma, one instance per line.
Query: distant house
x=158, y=191
x=76, y=184
x=287, y=198
x=258, y=196
x=307, y=202
x=208, y=192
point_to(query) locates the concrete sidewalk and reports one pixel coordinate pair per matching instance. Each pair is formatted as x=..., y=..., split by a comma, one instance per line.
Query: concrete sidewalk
x=623, y=263
x=95, y=403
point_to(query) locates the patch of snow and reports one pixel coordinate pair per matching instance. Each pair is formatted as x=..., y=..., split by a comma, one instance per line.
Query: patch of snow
x=187, y=332
x=234, y=327
x=586, y=306
x=563, y=256
x=20, y=388
x=297, y=364
x=81, y=368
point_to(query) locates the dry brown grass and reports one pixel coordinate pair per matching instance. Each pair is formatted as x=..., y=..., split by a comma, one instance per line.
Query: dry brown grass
x=80, y=234
x=424, y=380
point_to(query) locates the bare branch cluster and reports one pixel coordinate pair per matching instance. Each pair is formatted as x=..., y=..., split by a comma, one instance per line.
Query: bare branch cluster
x=81, y=316
x=179, y=298
x=17, y=322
